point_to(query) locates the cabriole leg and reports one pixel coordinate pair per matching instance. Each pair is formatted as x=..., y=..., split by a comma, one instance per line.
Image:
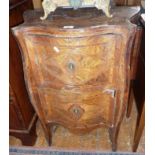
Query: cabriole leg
x=113, y=134
x=47, y=132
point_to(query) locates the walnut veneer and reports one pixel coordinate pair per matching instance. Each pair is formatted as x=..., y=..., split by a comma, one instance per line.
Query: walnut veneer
x=77, y=67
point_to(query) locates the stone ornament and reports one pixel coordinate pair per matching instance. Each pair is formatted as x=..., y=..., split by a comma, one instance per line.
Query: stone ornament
x=51, y=5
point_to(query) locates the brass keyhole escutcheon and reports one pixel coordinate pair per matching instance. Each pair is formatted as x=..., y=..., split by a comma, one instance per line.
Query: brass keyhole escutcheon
x=76, y=111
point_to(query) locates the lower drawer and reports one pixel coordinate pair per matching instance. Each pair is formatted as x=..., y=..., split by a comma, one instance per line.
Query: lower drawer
x=78, y=107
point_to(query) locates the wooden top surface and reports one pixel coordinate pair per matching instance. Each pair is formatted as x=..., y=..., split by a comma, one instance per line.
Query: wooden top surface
x=81, y=18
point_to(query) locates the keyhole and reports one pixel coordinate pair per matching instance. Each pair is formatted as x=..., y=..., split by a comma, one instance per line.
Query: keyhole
x=76, y=111
x=71, y=66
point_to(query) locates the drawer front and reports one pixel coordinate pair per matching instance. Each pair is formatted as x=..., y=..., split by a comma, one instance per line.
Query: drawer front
x=74, y=65
x=78, y=107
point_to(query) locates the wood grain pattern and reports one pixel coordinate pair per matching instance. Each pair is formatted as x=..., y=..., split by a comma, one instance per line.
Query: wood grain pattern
x=139, y=90
x=78, y=77
x=22, y=116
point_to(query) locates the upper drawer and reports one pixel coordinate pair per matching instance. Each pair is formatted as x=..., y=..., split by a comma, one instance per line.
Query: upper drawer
x=93, y=63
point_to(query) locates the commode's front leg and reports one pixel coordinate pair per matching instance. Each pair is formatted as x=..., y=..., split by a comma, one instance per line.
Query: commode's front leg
x=113, y=134
x=47, y=131
x=48, y=7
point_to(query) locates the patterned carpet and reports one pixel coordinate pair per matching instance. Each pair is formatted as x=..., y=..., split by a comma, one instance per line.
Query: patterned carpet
x=37, y=151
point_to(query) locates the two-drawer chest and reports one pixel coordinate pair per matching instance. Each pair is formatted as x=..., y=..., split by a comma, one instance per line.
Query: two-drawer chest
x=77, y=67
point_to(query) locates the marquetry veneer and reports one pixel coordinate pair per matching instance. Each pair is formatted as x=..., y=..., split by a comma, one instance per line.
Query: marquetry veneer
x=77, y=67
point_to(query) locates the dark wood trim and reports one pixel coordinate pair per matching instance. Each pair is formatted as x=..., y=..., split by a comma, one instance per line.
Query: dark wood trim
x=139, y=129
x=17, y=4
x=22, y=116
x=34, y=118
x=27, y=138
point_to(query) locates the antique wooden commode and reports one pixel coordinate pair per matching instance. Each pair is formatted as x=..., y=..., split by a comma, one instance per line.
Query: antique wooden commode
x=77, y=67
